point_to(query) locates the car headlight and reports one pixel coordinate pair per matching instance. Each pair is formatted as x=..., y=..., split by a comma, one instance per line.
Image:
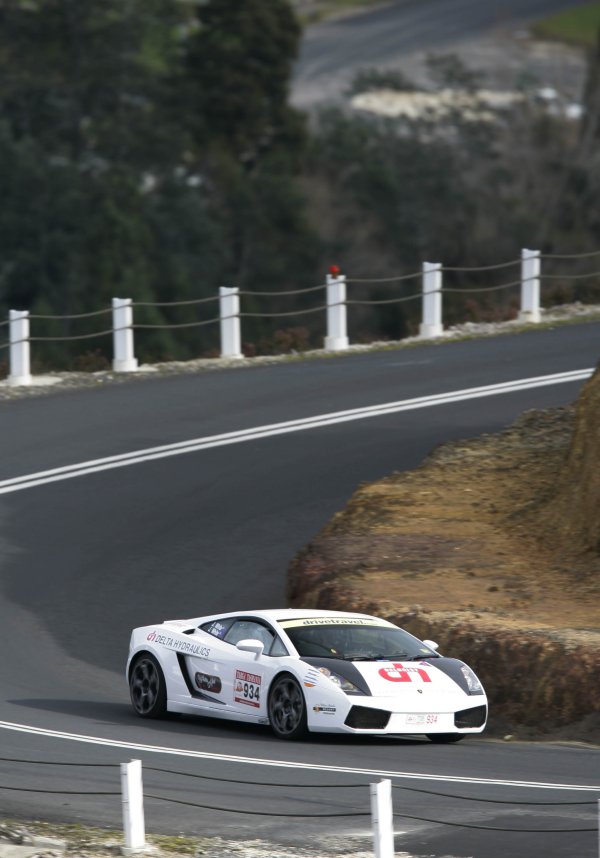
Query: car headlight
x=474, y=686
x=340, y=681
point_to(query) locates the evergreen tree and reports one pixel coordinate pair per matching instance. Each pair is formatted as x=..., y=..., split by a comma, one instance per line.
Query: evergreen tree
x=248, y=141
x=238, y=66
x=87, y=81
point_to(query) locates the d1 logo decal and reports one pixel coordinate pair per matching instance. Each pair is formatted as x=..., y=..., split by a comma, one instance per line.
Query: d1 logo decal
x=400, y=673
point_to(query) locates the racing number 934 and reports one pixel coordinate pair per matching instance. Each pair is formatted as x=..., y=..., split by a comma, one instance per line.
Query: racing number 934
x=247, y=688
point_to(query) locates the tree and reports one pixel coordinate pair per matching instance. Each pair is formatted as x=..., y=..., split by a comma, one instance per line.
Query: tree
x=237, y=71
x=86, y=81
x=247, y=141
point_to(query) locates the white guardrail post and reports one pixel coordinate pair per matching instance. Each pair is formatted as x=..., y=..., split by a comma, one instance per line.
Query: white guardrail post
x=431, y=324
x=337, y=326
x=132, y=798
x=123, y=356
x=20, y=366
x=382, y=816
x=530, y=286
x=231, y=336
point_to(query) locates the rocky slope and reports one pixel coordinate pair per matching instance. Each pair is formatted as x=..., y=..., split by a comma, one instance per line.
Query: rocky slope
x=492, y=548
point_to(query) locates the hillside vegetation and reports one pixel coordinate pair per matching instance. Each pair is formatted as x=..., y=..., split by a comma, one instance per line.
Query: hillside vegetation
x=149, y=150
x=491, y=548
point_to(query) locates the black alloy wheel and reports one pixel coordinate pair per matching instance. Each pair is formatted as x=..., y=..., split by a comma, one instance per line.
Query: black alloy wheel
x=147, y=687
x=287, y=708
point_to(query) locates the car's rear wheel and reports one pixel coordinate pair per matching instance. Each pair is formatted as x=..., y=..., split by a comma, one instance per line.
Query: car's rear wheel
x=147, y=687
x=445, y=738
x=287, y=708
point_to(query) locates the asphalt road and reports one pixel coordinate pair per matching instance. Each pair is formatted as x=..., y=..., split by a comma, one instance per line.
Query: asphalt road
x=334, y=51
x=85, y=559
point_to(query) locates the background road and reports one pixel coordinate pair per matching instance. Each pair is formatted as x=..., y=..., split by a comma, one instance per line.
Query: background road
x=334, y=51
x=84, y=560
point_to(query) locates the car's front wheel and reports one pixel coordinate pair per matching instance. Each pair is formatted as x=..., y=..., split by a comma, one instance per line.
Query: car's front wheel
x=287, y=708
x=147, y=687
x=445, y=738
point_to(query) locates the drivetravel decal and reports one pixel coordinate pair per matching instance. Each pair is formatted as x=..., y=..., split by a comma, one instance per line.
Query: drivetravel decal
x=400, y=673
x=185, y=647
x=246, y=688
x=332, y=621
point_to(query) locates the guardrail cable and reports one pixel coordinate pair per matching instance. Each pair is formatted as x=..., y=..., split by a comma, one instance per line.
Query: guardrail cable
x=189, y=303
x=138, y=327
x=253, y=783
x=569, y=255
x=73, y=337
x=74, y=316
x=497, y=828
x=385, y=300
x=58, y=791
x=569, y=276
x=286, y=292
x=258, y=812
x=396, y=279
x=480, y=288
x=57, y=763
x=495, y=800
x=278, y=315
x=481, y=267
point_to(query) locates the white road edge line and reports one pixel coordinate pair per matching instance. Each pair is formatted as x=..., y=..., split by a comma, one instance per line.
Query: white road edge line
x=258, y=761
x=135, y=457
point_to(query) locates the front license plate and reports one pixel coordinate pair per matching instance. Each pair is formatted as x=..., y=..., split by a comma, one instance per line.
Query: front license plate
x=421, y=719
x=415, y=719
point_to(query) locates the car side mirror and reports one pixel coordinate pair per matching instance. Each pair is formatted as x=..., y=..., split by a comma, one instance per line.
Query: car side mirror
x=254, y=646
x=432, y=645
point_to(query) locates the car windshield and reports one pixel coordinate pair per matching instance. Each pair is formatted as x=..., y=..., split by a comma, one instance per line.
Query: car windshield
x=355, y=642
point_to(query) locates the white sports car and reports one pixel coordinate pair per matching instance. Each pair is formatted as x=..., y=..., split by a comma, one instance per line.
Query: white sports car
x=299, y=670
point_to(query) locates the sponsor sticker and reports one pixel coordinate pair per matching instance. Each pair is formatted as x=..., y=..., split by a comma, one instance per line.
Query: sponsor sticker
x=401, y=673
x=208, y=683
x=218, y=630
x=187, y=647
x=333, y=621
x=324, y=709
x=247, y=688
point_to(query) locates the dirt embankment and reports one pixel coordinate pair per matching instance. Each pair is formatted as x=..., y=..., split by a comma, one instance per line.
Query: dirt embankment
x=491, y=548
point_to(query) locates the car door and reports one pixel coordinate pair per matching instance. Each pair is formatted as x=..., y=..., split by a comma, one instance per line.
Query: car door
x=233, y=679
x=247, y=678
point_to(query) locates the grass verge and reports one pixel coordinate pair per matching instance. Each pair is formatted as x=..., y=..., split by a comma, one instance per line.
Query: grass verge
x=319, y=10
x=577, y=26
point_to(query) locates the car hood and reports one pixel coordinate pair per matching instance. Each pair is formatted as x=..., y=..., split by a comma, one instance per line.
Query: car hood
x=400, y=678
x=389, y=679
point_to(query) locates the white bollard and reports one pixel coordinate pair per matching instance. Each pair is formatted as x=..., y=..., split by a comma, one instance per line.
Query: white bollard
x=20, y=367
x=123, y=357
x=431, y=324
x=231, y=337
x=337, y=326
x=530, y=286
x=132, y=798
x=382, y=816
